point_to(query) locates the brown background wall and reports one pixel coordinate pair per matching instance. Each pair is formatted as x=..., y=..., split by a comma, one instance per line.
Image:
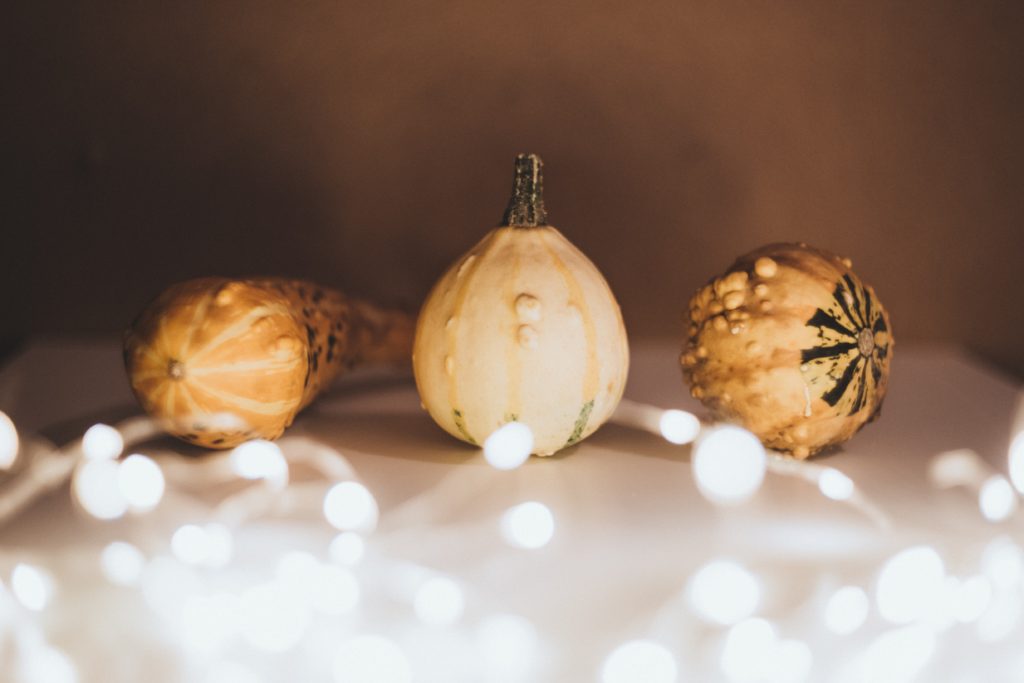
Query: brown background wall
x=367, y=144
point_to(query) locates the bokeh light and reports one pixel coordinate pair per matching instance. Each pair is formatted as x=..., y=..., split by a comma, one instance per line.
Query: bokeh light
x=259, y=459
x=8, y=441
x=47, y=664
x=271, y=619
x=231, y=672
x=347, y=548
x=723, y=592
x=972, y=599
x=898, y=655
x=509, y=446
x=640, y=661
x=97, y=489
x=209, y=545
x=909, y=584
x=958, y=467
x=835, y=485
x=371, y=659
x=349, y=506
x=846, y=610
x=122, y=563
x=678, y=426
x=1016, y=461
x=141, y=482
x=102, y=442
x=528, y=525
x=439, y=602
x=32, y=586
x=728, y=464
x=997, y=500
x=748, y=650
x=509, y=647
x=1002, y=561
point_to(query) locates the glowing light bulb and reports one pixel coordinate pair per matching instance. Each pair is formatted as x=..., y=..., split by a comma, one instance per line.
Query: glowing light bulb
x=122, y=563
x=1002, y=561
x=371, y=659
x=96, y=488
x=208, y=622
x=336, y=590
x=347, y=548
x=509, y=646
x=960, y=467
x=1001, y=619
x=639, y=660
x=528, y=525
x=102, y=442
x=972, y=599
x=723, y=592
x=898, y=655
x=31, y=586
x=791, y=662
x=1016, y=461
x=509, y=446
x=835, y=485
x=141, y=482
x=729, y=465
x=439, y=602
x=909, y=583
x=997, y=500
x=259, y=459
x=349, y=506
x=846, y=610
x=748, y=650
x=679, y=426
x=209, y=545
x=8, y=442
x=271, y=620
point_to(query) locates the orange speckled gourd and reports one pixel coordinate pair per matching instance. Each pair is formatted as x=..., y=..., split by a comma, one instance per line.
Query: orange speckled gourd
x=220, y=361
x=792, y=345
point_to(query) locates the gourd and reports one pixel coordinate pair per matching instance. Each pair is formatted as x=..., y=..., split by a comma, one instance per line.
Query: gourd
x=524, y=328
x=792, y=345
x=220, y=361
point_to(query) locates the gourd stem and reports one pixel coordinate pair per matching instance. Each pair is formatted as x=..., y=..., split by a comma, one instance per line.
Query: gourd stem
x=526, y=207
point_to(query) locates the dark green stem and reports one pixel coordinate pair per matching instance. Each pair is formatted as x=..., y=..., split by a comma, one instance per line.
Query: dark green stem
x=526, y=207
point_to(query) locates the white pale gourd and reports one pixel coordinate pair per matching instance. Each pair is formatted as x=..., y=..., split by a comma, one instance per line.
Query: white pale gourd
x=522, y=328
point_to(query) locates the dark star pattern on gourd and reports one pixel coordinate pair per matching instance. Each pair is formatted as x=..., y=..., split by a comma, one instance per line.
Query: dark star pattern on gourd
x=844, y=368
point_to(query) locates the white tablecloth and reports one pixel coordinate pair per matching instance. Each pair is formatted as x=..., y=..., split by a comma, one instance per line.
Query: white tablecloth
x=631, y=529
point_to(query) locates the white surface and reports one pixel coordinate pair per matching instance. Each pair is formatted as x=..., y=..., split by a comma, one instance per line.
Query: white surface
x=630, y=531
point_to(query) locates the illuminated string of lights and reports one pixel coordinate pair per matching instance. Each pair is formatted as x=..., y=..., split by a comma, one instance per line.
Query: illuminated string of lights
x=914, y=594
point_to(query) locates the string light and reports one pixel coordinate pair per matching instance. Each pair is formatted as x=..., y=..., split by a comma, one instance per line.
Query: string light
x=231, y=672
x=141, y=482
x=349, y=506
x=678, y=426
x=909, y=584
x=1016, y=461
x=97, y=488
x=723, y=592
x=1002, y=561
x=270, y=620
x=122, y=563
x=846, y=610
x=439, y=602
x=347, y=548
x=509, y=646
x=47, y=664
x=8, y=442
x=973, y=597
x=371, y=659
x=748, y=650
x=32, y=586
x=509, y=446
x=835, y=485
x=102, y=442
x=528, y=525
x=898, y=655
x=260, y=459
x=639, y=660
x=728, y=464
x=209, y=545
x=997, y=500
